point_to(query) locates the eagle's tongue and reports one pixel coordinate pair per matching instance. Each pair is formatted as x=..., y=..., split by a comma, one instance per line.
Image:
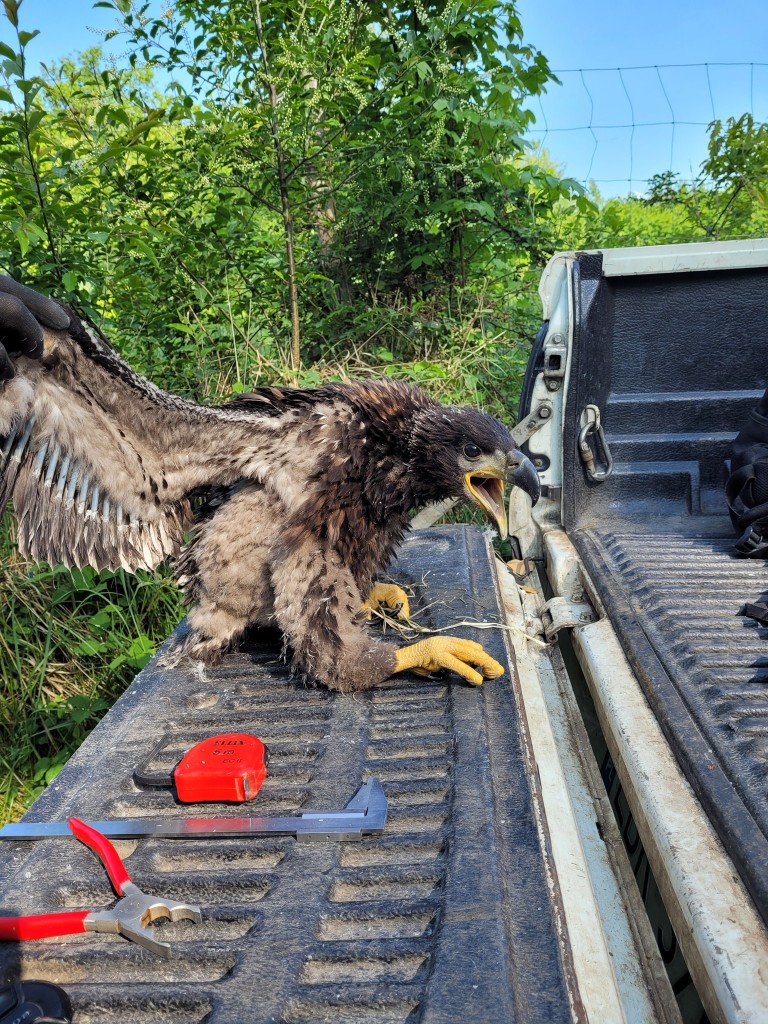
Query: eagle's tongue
x=489, y=488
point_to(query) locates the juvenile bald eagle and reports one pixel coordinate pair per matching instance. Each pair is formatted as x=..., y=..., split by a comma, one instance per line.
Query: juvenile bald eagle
x=309, y=492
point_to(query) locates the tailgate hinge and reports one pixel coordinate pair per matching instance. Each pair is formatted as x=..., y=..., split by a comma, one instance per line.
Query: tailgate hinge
x=561, y=613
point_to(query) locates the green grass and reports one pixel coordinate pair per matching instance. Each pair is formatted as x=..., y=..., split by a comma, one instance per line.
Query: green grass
x=70, y=643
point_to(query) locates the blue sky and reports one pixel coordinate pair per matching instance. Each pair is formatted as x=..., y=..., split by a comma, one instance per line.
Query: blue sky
x=590, y=34
x=614, y=34
x=64, y=26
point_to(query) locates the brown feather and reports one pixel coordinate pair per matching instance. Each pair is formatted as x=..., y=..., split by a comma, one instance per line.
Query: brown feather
x=308, y=493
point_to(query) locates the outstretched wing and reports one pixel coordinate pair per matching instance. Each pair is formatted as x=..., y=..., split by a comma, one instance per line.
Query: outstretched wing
x=99, y=463
x=67, y=514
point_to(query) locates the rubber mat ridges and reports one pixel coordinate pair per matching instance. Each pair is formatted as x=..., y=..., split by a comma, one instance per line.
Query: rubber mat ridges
x=675, y=599
x=446, y=916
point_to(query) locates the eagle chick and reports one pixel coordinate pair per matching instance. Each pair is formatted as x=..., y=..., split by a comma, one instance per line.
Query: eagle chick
x=308, y=493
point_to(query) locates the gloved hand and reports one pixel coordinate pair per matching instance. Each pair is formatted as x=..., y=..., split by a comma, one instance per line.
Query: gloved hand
x=22, y=311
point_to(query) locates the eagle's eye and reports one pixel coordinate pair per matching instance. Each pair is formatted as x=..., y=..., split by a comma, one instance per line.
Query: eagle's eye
x=471, y=451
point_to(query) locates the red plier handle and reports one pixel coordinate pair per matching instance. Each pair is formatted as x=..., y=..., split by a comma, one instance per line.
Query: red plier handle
x=43, y=926
x=106, y=852
x=71, y=922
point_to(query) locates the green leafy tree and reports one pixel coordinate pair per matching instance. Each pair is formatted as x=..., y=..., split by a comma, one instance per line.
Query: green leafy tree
x=385, y=140
x=730, y=197
x=727, y=199
x=338, y=182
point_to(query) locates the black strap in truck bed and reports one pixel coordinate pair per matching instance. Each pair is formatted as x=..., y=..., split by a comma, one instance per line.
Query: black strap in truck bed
x=446, y=917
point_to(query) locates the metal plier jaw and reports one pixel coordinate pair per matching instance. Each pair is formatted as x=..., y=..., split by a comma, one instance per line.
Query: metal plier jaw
x=130, y=917
x=133, y=914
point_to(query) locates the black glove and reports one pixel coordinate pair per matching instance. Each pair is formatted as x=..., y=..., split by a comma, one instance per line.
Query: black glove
x=22, y=311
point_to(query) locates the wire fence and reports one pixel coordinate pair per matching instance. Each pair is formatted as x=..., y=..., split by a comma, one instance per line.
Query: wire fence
x=617, y=127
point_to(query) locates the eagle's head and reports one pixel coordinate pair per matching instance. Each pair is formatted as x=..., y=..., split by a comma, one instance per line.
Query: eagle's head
x=465, y=453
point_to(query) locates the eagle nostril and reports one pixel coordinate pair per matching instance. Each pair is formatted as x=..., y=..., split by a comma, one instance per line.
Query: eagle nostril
x=521, y=472
x=514, y=461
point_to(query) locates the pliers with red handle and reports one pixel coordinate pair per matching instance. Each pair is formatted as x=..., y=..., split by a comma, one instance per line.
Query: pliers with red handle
x=130, y=916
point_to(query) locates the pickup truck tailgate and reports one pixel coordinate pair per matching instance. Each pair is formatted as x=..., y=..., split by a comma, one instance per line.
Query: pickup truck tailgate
x=449, y=915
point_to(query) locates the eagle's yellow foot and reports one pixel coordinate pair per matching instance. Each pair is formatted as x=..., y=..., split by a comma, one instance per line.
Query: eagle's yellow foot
x=390, y=595
x=449, y=652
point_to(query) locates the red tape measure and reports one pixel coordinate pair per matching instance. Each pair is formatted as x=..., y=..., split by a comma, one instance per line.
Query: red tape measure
x=230, y=767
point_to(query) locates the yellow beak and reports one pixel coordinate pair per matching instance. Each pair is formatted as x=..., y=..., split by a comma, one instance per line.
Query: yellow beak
x=487, y=490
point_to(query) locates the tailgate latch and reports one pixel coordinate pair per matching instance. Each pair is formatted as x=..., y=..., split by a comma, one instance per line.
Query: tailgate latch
x=555, y=358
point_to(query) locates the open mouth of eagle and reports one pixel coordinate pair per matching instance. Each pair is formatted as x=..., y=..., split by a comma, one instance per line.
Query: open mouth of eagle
x=487, y=490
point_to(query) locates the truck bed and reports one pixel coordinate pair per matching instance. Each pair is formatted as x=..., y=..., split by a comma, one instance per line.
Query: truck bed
x=675, y=361
x=674, y=598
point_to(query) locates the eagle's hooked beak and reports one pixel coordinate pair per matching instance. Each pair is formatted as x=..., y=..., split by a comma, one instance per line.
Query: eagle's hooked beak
x=522, y=473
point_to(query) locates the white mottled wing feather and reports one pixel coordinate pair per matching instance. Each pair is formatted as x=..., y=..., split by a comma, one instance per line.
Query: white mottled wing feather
x=99, y=463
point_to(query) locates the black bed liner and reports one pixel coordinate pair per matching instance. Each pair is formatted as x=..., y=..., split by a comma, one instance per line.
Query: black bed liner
x=674, y=600
x=675, y=362
x=448, y=916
